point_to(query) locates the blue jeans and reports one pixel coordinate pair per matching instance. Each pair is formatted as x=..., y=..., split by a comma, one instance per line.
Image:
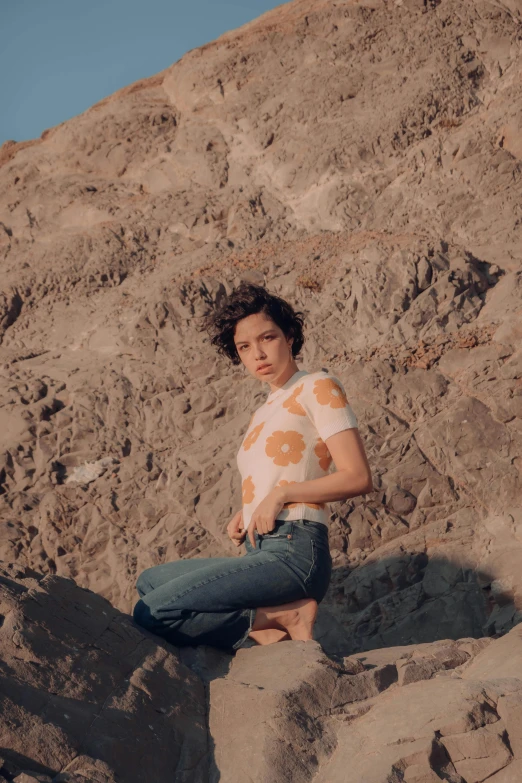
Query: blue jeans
x=213, y=600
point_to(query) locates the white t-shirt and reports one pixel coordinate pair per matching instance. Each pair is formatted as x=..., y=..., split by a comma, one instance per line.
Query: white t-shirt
x=285, y=441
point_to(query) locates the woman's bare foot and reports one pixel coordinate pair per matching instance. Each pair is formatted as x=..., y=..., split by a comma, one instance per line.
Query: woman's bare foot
x=270, y=636
x=295, y=619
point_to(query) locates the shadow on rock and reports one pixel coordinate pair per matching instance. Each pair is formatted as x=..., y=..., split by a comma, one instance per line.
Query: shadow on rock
x=410, y=599
x=93, y=696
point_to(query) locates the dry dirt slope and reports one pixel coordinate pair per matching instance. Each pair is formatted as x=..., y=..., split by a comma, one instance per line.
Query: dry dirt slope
x=361, y=158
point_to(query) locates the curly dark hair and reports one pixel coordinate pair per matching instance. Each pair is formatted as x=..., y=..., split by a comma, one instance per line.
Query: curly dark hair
x=248, y=299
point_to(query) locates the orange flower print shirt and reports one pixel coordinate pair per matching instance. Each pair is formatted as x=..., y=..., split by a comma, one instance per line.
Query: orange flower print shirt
x=284, y=483
x=292, y=404
x=252, y=436
x=285, y=448
x=329, y=392
x=248, y=490
x=322, y=454
x=285, y=442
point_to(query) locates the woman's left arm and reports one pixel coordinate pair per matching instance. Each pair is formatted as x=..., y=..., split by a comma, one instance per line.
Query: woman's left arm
x=352, y=478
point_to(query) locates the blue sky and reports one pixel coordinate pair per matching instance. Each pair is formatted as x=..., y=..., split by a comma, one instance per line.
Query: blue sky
x=58, y=57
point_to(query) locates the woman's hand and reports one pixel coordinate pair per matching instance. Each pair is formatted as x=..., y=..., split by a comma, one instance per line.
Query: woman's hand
x=235, y=529
x=263, y=518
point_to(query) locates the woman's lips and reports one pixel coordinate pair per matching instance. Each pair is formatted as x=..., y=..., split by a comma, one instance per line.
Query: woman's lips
x=265, y=368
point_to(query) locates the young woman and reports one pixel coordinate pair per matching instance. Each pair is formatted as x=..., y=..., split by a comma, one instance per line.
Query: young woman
x=272, y=592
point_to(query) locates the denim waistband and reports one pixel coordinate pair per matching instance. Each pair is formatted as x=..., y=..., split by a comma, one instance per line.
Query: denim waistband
x=281, y=525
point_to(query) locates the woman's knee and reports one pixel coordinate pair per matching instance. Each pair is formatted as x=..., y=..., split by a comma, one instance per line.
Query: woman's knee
x=143, y=616
x=143, y=585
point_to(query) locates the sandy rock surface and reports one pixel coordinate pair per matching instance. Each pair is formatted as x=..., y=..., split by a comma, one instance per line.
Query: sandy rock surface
x=86, y=695
x=296, y=715
x=363, y=159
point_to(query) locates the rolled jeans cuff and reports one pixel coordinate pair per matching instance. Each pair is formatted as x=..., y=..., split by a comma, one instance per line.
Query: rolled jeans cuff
x=250, y=615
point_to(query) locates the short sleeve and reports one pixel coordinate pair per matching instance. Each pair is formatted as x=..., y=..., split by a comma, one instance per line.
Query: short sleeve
x=328, y=407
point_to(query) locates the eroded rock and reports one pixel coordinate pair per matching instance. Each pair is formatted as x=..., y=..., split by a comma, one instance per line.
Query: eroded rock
x=362, y=160
x=86, y=695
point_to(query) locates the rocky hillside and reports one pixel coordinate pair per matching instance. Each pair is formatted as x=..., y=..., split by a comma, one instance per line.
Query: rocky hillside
x=362, y=159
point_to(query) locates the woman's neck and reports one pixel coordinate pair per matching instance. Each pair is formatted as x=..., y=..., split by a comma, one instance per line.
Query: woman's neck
x=291, y=369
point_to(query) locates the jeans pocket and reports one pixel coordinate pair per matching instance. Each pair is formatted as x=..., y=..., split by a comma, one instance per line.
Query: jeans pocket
x=278, y=541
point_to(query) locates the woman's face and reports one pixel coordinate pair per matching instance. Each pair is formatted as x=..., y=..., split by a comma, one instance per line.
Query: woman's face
x=259, y=341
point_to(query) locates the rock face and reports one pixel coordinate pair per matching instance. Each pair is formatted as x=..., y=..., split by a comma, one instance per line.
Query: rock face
x=362, y=159
x=295, y=715
x=88, y=696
